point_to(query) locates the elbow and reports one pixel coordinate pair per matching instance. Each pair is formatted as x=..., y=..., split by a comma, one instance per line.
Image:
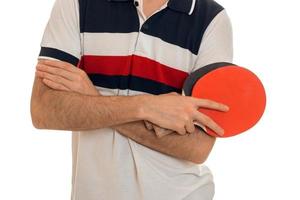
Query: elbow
x=39, y=106
x=199, y=159
x=201, y=153
x=196, y=157
x=36, y=123
x=37, y=117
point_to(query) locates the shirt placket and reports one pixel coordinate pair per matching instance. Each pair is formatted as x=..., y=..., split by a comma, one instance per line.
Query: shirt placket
x=142, y=25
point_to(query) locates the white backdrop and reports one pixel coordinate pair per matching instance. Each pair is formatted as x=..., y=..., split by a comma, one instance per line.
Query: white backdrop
x=262, y=164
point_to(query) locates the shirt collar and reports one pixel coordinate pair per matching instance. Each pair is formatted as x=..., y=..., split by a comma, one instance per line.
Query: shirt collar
x=185, y=6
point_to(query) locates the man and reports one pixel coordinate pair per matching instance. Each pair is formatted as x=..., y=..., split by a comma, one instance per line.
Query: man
x=133, y=57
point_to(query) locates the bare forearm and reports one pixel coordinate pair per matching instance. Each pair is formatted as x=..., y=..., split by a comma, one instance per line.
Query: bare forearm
x=193, y=147
x=60, y=110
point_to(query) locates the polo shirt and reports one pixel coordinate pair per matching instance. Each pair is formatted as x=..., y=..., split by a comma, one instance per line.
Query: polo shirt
x=125, y=53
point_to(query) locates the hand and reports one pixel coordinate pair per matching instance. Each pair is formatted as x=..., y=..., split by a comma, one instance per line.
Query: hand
x=178, y=113
x=63, y=76
x=66, y=77
x=159, y=131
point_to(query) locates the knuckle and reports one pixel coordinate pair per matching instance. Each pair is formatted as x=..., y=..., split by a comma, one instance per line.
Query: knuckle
x=189, y=112
x=185, y=118
x=82, y=73
x=79, y=77
x=79, y=72
x=77, y=87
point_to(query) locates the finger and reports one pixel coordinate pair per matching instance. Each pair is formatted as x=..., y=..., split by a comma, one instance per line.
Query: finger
x=160, y=132
x=190, y=127
x=57, y=71
x=170, y=94
x=55, y=86
x=206, y=103
x=54, y=78
x=58, y=64
x=208, y=122
x=148, y=125
x=174, y=94
x=181, y=130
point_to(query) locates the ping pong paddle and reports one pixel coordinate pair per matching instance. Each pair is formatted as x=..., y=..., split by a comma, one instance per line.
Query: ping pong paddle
x=232, y=85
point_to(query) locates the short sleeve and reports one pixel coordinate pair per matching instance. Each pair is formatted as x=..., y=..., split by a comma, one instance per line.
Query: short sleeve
x=61, y=39
x=217, y=44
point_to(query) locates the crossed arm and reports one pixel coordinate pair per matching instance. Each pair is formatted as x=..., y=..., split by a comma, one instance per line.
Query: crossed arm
x=69, y=110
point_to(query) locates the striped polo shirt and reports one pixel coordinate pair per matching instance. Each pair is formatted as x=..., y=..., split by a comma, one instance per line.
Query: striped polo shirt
x=126, y=53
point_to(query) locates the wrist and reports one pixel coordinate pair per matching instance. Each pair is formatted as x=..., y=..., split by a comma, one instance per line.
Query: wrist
x=141, y=104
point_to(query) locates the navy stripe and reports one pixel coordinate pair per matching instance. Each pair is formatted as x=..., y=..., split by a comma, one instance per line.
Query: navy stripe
x=180, y=29
x=180, y=5
x=58, y=54
x=132, y=83
x=97, y=16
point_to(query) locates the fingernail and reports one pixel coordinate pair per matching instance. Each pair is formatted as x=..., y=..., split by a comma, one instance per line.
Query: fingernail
x=221, y=132
x=225, y=107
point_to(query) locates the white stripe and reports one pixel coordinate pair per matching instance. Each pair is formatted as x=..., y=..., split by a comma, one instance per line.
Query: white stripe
x=193, y=7
x=134, y=93
x=217, y=42
x=62, y=30
x=165, y=53
x=107, y=91
x=123, y=44
x=129, y=92
x=47, y=58
x=109, y=44
x=121, y=92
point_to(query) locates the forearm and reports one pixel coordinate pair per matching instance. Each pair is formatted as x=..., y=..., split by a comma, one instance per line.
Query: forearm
x=193, y=147
x=60, y=110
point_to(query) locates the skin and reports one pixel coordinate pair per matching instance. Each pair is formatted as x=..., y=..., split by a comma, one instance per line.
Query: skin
x=58, y=78
x=150, y=6
x=63, y=98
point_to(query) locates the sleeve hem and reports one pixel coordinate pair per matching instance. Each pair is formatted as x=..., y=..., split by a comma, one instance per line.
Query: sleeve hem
x=58, y=54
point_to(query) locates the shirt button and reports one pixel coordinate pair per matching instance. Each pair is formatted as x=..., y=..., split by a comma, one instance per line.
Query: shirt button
x=136, y=3
x=145, y=26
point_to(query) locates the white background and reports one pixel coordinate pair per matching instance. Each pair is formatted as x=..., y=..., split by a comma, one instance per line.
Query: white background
x=262, y=164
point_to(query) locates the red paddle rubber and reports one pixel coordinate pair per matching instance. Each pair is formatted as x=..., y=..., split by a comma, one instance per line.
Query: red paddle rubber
x=236, y=87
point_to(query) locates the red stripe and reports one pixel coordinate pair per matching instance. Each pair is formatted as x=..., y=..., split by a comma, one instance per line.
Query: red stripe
x=133, y=65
